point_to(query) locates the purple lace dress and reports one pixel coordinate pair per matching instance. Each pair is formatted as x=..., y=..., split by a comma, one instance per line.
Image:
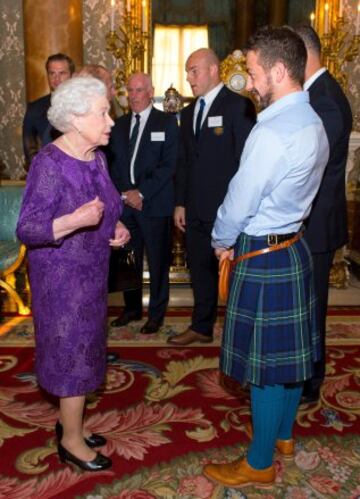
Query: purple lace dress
x=68, y=277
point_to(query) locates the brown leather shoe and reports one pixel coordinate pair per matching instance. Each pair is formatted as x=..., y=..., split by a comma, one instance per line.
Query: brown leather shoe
x=239, y=473
x=285, y=447
x=188, y=337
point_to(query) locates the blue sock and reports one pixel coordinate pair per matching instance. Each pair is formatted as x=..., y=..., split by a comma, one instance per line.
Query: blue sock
x=267, y=408
x=291, y=404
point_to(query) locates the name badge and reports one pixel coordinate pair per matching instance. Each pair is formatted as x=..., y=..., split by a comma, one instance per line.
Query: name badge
x=214, y=121
x=157, y=136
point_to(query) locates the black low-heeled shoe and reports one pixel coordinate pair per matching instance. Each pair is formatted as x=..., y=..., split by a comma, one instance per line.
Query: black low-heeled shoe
x=98, y=464
x=93, y=440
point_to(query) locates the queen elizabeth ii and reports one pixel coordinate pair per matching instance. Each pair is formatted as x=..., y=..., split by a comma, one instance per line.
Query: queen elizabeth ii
x=69, y=220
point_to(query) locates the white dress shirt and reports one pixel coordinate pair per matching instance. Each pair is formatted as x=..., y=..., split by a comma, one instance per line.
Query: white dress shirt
x=144, y=115
x=314, y=77
x=209, y=99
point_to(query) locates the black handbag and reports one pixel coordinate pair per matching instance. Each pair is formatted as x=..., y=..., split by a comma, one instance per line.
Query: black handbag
x=123, y=274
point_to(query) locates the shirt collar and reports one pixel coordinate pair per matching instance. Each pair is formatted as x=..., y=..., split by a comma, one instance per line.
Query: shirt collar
x=277, y=106
x=314, y=77
x=210, y=96
x=143, y=114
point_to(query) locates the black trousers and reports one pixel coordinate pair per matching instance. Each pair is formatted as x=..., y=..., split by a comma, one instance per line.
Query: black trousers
x=322, y=265
x=204, y=275
x=151, y=234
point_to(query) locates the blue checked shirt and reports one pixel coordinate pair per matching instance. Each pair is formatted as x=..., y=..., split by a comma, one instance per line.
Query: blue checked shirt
x=280, y=171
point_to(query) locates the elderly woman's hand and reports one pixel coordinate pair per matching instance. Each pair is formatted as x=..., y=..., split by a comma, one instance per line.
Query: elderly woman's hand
x=89, y=213
x=122, y=235
x=86, y=215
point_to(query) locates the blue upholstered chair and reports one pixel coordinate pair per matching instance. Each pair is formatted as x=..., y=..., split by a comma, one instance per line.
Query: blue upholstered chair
x=12, y=252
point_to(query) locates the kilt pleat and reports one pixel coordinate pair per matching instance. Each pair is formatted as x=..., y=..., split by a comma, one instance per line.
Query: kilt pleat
x=270, y=331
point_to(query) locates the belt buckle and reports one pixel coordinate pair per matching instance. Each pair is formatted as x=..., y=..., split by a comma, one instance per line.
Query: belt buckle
x=272, y=239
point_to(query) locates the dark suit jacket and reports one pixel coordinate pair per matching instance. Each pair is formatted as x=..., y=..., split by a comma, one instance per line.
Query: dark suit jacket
x=154, y=165
x=37, y=130
x=206, y=166
x=327, y=224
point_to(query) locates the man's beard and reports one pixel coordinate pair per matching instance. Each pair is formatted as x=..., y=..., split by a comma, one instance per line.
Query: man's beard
x=266, y=99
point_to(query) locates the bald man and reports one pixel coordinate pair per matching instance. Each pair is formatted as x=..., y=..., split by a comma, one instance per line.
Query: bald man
x=213, y=130
x=144, y=148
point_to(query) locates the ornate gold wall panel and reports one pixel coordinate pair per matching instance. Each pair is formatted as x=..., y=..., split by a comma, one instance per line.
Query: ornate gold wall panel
x=12, y=92
x=351, y=69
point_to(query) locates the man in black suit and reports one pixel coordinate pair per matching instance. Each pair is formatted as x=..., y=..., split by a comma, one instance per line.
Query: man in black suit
x=326, y=227
x=144, y=148
x=37, y=130
x=213, y=130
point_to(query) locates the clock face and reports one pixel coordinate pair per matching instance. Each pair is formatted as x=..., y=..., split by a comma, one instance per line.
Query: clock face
x=237, y=82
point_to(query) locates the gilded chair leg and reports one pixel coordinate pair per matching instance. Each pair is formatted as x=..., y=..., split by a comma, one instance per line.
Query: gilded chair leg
x=22, y=309
x=11, y=280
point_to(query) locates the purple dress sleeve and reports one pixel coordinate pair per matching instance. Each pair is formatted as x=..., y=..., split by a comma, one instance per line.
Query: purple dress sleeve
x=42, y=198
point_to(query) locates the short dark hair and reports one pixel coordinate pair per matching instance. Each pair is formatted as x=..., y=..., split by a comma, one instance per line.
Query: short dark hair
x=61, y=57
x=280, y=44
x=309, y=37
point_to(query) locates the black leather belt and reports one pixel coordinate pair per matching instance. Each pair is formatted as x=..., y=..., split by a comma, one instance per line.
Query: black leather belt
x=274, y=239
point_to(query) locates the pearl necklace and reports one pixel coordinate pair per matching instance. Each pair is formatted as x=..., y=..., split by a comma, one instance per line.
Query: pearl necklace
x=74, y=151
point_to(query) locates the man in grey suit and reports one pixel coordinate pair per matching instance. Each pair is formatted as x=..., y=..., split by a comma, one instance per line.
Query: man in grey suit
x=326, y=227
x=213, y=130
x=144, y=149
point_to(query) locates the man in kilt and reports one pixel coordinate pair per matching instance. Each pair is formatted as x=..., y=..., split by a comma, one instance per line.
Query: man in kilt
x=271, y=337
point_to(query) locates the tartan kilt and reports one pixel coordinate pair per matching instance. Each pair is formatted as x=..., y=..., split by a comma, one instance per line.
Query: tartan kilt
x=271, y=331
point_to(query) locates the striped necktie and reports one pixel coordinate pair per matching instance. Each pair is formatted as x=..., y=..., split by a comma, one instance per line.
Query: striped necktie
x=199, y=118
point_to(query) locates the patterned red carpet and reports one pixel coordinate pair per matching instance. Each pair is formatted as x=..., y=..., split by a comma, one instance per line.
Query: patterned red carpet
x=166, y=413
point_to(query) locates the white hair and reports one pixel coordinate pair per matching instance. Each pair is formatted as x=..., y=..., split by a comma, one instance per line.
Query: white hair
x=72, y=98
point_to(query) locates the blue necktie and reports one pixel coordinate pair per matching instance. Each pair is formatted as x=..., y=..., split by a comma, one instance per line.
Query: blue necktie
x=199, y=118
x=134, y=135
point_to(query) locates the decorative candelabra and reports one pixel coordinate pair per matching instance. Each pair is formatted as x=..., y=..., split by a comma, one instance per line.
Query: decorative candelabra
x=130, y=42
x=179, y=272
x=338, y=44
